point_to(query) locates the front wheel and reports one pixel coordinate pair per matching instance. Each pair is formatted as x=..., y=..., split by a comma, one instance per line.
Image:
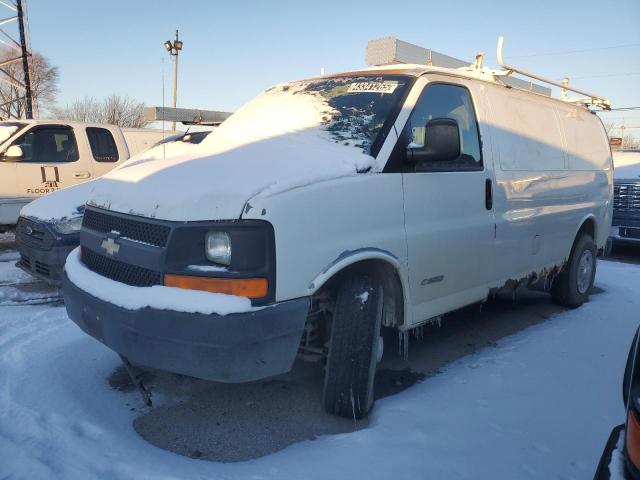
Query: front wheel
x=354, y=347
x=574, y=284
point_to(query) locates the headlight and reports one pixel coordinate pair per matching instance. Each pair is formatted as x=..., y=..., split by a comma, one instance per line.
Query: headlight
x=71, y=225
x=218, y=247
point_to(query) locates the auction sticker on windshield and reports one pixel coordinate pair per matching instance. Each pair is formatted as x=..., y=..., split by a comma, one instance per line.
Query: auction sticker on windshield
x=373, y=87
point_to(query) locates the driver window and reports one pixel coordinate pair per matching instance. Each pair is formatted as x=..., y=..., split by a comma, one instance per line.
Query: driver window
x=441, y=100
x=48, y=145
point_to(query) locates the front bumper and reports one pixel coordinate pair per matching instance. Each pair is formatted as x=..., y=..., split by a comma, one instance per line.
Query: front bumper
x=625, y=235
x=237, y=347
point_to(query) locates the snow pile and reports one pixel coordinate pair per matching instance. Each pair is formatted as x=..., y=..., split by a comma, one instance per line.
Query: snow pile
x=538, y=405
x=157, y=296
x=626, y=165
x=617, y=469
x=276, y=142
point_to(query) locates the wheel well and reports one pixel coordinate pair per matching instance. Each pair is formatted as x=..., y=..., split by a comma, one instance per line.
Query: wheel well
x=588, y=227
x=393, y=314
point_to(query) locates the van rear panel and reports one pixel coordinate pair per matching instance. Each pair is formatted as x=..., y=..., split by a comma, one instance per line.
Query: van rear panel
x=553, y=171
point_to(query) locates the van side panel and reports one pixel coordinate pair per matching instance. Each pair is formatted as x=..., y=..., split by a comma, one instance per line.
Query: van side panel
x=540, y=201
x=321, y=224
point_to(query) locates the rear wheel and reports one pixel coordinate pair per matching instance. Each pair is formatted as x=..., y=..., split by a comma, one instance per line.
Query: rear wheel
x=354, y=347
x=574, y=284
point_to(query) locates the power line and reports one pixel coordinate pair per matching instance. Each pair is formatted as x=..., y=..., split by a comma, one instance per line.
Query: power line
x=568, y=52
x=621, y=109
x=607, y=75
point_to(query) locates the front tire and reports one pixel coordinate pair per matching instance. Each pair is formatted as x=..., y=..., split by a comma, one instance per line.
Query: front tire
x=574, y=284
x=353, y=347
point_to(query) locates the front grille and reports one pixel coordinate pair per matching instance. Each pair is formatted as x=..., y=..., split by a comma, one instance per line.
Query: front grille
x=25, y=262
x=119, y=271
x=138, y=230
x=33, y=234
x=626, y=196
x=43, y=269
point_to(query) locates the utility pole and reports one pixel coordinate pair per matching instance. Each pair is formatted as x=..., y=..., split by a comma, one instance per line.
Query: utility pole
x=174, y=49
x=17, y=51
x=25, y=61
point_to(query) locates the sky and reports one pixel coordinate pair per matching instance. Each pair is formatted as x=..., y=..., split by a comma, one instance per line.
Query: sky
x=235, y=49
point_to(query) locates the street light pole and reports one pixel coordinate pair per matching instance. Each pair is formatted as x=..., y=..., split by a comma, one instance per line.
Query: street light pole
x=174, y=49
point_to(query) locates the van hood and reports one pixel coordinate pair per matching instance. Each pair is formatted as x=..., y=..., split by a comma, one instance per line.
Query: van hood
x=285, y=138
x=217, y=186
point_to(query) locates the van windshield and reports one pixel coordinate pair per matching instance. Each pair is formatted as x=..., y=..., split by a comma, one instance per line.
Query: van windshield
x=359, y=106
x=346, y=110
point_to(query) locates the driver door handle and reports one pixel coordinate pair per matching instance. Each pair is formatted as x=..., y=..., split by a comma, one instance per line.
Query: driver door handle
x=488, y=194
x=81, y=174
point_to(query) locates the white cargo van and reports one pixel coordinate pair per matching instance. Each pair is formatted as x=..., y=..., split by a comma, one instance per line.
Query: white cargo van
x=327, y=208
x=41, y=156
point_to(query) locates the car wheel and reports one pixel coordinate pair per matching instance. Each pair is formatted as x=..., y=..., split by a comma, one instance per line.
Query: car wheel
x=353, y=347
x=574, y=284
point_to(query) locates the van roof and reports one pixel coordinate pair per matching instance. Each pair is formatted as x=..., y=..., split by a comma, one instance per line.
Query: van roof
x=417, y=70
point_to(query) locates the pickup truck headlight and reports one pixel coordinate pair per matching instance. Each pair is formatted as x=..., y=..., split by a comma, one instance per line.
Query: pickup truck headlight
x=71, y=225
x=218, y=247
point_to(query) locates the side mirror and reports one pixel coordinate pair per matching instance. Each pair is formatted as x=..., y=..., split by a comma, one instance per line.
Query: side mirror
x=14, y=152
x=441, y=142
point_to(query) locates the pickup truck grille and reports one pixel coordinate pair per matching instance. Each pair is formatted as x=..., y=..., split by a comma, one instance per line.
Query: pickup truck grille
x=119, y=271
x=138, y=230
x=626, y=196
x=33, y=234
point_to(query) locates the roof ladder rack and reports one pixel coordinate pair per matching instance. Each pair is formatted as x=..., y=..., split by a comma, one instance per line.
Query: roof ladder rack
x=589, y=98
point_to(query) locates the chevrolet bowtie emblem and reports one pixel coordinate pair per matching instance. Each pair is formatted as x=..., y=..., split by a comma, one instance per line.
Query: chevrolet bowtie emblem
x=110, y=246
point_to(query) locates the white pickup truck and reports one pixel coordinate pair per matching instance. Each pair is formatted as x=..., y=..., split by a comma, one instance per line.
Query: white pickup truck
x=41, y=156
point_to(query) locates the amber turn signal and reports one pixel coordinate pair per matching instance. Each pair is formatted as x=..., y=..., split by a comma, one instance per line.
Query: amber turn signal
x=243, y=287
x=633, y=439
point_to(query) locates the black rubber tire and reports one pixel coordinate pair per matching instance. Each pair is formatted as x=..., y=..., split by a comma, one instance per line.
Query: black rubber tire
x=565, y=286
x=351, y=363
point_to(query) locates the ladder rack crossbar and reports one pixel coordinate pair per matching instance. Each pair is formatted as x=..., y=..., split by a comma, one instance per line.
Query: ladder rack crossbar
x=595, y=99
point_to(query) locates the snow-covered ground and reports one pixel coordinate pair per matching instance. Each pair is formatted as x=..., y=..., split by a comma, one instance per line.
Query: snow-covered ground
x=538, y=405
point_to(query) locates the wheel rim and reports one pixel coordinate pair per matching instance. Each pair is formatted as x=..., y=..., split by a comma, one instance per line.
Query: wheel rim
x=585, y=271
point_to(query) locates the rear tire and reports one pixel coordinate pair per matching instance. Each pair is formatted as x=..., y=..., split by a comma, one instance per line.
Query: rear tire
x=353, y=347
x=574, y=284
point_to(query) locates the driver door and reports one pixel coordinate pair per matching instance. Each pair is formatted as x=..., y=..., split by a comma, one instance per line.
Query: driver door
x=448, y=220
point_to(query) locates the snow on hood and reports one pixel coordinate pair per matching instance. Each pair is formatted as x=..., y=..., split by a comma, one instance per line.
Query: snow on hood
x=276, y=142
x=60, y=205
x=69, y=202
x=626, y=165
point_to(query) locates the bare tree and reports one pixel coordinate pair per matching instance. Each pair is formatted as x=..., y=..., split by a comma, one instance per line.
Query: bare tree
x=44, y=85
x=630, y=141
x=118, y=110
x=124, y=111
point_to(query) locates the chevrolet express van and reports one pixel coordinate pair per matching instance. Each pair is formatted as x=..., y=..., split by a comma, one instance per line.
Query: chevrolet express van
x=41, y=156
x=327, y=208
